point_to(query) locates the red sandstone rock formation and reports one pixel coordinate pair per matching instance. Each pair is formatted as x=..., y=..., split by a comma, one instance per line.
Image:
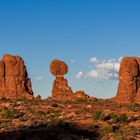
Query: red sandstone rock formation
x=129, y=80
x=60, y=89
x=60, y=85
x=14, y=80
x=81, y=95
x=58, y=68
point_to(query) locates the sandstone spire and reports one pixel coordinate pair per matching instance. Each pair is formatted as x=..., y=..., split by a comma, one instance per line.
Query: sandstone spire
x=129, y=80
x=14, y=80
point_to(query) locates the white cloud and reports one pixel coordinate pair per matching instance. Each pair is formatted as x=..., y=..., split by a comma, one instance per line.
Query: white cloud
x=106, y=65
x=120, y=59
x=104, y=69
x=39, y=77
x=94, y=60
x=80, y=75
x=92, y=73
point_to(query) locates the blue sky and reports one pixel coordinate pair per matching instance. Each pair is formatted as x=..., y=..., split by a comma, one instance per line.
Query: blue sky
x=73, y=31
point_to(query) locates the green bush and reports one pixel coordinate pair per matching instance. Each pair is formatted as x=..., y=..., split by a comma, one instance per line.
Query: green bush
x=81, y=101
x=122, y=118
x=50, y=110
x=15, y=104
x=92, y=126
x=7, y=114
x=98, y=115
x=40, y=113
x=108, y=128
x=112, y=115
x=133, y=107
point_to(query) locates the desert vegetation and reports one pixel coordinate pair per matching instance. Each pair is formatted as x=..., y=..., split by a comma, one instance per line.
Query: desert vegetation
x=95, y=119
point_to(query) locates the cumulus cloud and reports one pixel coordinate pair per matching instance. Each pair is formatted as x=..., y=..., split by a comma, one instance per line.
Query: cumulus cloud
x=94, y=60
x=120, y=59
x=104, y=69
x=92, y=73
x=39, y=78
x=110, y=64
x=80, y=75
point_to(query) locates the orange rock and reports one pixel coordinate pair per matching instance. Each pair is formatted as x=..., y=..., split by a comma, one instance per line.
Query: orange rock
x=58, y=67
x=2, y=68
x=14, y=81
x=129, y=79
x=60, y=88
x=81, y=95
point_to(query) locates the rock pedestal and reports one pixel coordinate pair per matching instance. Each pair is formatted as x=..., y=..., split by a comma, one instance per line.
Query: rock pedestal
x=14, y=80
x=60, y=87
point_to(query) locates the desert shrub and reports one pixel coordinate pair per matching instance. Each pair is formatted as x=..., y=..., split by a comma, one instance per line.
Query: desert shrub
x=7, y=114
x=92, y=126
x=78, y=112
x=4, y=108
x=50, y=110
x=122, y=118
x=112, y=115
x=81, y=101
x=23, y=99
x=40, y=113
x=23, y=119
x=15, y=111
x=108, y=128
x=30, y=110
x=4, y=99
x=133, y=107
x=98, y=115
x=3, y=125
x=15, y=104
x=17, y=114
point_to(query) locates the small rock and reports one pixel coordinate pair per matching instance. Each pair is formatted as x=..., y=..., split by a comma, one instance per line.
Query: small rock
x=72, y=114
x=61, y=117
x=89, y=106
x=7, y=104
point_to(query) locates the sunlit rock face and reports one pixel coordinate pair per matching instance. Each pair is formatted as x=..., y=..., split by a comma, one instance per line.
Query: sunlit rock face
x=14, y=80
x=129, y=80
x=60, y=88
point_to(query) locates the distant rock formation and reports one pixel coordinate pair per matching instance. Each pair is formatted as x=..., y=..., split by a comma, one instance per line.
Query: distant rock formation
x=14, y=80
x=129, y=80
x=81, y=95
x=60, y=88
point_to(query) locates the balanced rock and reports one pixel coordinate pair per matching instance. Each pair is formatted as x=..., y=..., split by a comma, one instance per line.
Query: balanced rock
x=60, y=87
x=129, y=80
x=58, y=68
x=14, y=80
